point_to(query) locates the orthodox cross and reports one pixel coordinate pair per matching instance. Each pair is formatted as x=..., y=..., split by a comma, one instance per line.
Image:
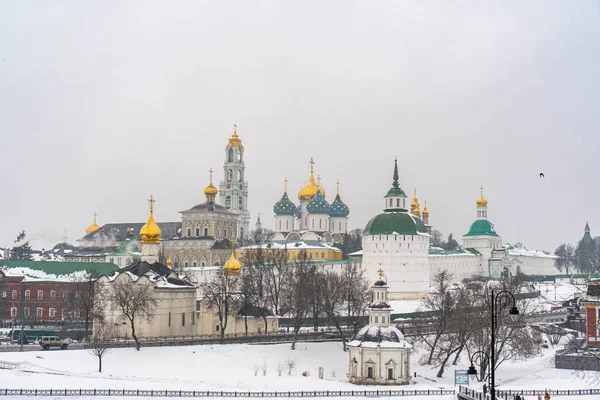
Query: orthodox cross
x=151, y=202
x=380, y=272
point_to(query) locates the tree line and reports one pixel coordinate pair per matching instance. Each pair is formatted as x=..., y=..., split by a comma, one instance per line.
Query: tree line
x=457, y=322
x=584, y=258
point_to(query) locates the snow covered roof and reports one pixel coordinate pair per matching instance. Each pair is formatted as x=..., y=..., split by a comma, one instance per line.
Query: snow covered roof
x=380, y=336
x=356, y=253
x=300, y=245
x=523, y=251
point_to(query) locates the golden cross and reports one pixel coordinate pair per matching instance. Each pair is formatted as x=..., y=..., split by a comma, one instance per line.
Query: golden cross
x=95, y=217
x=319, y=179
x=285, y=185
x=338, y=186
x=211, y=172
x=481, y=190
x=151, y=202
x=380, y=271
x=312, y=164
x=234, y=129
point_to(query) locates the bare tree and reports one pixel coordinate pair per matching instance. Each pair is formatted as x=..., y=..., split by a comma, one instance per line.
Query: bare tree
x=334, y=296
x=358, y=293
x=290, y=364
x=135, y=301
x=438, y=306
x=84, y=299
x=221, y=292
x=298, y=299
x=277, y=274
x=99, y=344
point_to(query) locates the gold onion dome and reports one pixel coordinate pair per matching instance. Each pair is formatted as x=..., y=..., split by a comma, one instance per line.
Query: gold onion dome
x=150, y=233
x=234, y=140
x=232, y=266
x=92, y=228
x=481, y=201
x=417, y=211
x=425, y=210
x=210, y=189
x=415, y=203
x=310, y=189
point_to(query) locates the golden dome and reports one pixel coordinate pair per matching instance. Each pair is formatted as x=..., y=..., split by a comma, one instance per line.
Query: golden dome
x=481, y=201
x=425, y=210
x=234, y=140
x=415, y=203
x=309, y=190
x=417, y=211
x=92, y=228
x=210, y=189
x=150, y=233
x=232, y=266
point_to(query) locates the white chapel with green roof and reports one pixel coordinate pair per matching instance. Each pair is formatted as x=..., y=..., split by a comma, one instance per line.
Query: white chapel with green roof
x=398, y=242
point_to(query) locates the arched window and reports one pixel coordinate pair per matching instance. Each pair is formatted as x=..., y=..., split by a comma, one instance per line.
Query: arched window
x=230, y=155
x=241, y=203
x=391, y=202
x=398, y=203
x=205, y=231
x=224, y=232
x=228, y=202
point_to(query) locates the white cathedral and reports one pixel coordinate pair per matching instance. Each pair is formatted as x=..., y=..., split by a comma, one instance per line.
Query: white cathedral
x=398, y=242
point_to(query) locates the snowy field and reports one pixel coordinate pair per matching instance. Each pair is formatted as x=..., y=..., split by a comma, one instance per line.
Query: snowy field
x=231, y=367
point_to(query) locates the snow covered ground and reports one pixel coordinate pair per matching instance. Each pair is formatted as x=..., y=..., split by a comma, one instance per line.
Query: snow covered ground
x=231, y=367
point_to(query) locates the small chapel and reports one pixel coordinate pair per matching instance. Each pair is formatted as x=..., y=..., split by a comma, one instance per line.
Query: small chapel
x=378, y=354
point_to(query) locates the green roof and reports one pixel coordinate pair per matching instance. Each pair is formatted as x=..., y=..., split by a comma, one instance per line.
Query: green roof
x=396, y=190
x=61, y=268
x=395, y=223
x=436, y=251
x=126, y=247
x=482, y=227
x=63, y=245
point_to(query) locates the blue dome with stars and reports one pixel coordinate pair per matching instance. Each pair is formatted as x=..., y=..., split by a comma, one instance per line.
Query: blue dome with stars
x=284, y=206
x=318, y=204
x=338, y=208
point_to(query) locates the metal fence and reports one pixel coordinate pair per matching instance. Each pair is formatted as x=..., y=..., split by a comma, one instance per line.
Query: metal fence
x=468, y=393
x=209, y=394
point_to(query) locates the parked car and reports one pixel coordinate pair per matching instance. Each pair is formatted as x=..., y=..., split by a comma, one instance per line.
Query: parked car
x=53, y=341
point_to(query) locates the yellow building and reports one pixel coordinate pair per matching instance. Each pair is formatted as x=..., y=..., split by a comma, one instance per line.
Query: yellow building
x=283, y=252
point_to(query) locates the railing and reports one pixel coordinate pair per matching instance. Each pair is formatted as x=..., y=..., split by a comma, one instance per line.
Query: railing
x=9, y=365
x=468, y=393
x=222, y=393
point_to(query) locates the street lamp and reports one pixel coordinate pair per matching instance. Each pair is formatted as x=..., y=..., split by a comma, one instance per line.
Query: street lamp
x=502, y=299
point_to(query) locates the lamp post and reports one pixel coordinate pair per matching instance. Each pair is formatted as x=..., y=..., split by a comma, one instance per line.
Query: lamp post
x=500, y=300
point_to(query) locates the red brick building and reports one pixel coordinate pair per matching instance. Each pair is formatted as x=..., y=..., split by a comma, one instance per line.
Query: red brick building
x=591, y=302
x=40, y=301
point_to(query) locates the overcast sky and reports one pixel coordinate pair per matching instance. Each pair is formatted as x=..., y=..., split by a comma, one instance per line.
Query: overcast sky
x=103, y=103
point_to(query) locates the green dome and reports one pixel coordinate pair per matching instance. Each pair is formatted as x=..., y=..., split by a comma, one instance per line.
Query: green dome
x=284, y=206
x=318, y=205
x=395, y=223
x=482, y=227
x=63, y=245
x=338, y=208
x=126, y=247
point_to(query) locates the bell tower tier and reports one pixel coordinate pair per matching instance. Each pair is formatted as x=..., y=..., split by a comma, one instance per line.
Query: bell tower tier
x=233, y=190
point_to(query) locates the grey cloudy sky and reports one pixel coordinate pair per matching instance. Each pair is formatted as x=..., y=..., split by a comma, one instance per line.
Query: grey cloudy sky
x=104, y=102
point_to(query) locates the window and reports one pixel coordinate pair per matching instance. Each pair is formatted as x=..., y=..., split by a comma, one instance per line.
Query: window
x=27, y=294
x=205, y=231
x=230, y=155
x=4, y=294
x=64, y=313
x=52, y=313
x=241, y=203
x=390, y=373
x=197, y=231
x=376, y=319
x=40, y=294
x=228, y=202
x=169, y=318
x=76, y=313
x=13, y=311
x=397, y=203
x=14, y=294
x=224, y=232
x=391, y=202
x=39, y=312
x=52, y=294
x=189, y=232
x=182, y=319
x=370, y=372
x=65, y=295
x=322, y=255
x=26, y=311
x=217, y=328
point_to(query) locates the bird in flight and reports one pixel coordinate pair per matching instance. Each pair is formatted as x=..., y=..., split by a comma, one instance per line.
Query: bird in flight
x=542, y=175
